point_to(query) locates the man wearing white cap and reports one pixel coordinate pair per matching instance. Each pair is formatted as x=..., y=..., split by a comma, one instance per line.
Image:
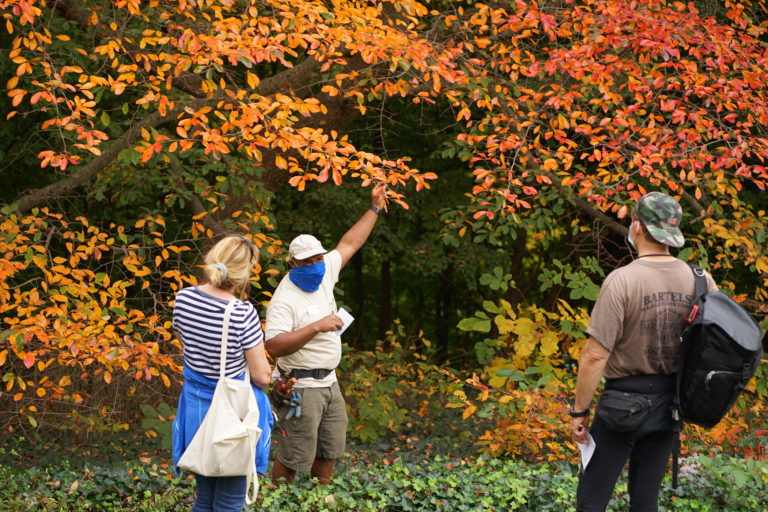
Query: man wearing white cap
x=300, y=334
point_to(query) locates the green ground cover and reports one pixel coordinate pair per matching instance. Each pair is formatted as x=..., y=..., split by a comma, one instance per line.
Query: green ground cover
x=409, y=474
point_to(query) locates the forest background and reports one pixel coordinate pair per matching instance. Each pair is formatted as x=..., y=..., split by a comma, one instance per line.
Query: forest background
x=514, y=138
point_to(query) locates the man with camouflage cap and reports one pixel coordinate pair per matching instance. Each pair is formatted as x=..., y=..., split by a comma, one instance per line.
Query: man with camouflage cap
x=634, y=335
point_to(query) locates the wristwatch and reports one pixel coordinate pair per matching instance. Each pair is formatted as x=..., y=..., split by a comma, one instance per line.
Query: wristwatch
x=578, y=414
x=375, y=210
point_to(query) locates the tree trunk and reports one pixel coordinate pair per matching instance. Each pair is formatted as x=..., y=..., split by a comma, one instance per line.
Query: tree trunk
x=443, y=305
x=359, y=299
x=385, y=300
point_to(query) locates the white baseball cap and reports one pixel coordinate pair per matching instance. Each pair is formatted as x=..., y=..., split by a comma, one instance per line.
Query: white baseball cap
x=305, y=246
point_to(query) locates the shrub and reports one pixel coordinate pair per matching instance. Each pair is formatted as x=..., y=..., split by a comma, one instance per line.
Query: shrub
x=409, y=482
x=394, y=386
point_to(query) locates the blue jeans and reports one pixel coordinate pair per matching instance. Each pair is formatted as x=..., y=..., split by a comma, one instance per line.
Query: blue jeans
x=220, y=494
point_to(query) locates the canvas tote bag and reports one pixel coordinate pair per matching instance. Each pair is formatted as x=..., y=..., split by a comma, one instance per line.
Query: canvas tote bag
x=225, y=443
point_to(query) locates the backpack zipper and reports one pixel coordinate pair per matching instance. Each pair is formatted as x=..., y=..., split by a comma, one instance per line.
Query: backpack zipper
x=712, y=373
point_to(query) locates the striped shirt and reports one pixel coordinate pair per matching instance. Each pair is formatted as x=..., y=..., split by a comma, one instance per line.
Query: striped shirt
x=198, y=318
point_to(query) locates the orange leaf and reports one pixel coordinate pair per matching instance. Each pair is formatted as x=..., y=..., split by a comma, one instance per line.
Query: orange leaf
x=29, y=359
x=550, y=164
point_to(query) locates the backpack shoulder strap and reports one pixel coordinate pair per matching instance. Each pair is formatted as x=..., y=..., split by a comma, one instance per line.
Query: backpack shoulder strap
x=699, y=279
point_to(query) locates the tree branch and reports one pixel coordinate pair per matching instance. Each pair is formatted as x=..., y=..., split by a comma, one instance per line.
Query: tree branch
x=586, y=207
x=196, y=205
x=189, y=83
x=299, y=74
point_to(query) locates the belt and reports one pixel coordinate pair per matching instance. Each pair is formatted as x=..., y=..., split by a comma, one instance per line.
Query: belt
x=645, y=384
x=300, y=373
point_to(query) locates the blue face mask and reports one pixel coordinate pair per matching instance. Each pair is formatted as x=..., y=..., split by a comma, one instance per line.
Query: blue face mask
x=308, y=277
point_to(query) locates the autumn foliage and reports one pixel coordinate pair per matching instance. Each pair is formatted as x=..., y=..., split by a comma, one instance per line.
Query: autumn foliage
x=209, y=106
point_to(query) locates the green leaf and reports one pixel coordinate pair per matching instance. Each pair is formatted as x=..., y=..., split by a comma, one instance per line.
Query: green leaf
x=591, y=291
x=117, y=310
x=475, y=324
x=685, y=254
x=148, y=411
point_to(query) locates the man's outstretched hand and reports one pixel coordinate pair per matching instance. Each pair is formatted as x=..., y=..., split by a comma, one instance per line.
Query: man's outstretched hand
x=379, y=196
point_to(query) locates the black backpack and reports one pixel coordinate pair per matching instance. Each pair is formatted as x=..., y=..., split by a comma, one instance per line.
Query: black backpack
x=720, y=350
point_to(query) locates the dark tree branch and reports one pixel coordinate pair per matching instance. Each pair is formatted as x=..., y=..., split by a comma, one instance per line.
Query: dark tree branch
x=589, y=209
x=299, y=74
x=189, y=83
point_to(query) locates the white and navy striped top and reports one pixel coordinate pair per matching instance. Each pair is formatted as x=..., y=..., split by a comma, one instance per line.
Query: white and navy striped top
x=198, y=318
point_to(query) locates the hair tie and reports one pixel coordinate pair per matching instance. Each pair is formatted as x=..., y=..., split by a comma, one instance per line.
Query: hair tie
x=223, y=269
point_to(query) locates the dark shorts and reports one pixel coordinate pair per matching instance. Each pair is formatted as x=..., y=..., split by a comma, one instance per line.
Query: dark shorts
x=320, y=431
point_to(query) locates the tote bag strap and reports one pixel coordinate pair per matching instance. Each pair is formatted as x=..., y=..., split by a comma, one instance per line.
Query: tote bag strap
x=252, y=485
x=224, y=334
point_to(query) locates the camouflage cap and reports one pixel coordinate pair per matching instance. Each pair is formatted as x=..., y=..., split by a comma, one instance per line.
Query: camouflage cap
x=661, y=216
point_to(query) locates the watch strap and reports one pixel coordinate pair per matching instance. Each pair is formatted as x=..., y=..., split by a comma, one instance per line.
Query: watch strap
x=578, y=414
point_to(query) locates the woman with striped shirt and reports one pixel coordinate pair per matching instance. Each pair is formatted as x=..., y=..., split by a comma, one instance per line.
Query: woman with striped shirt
x=198, y=317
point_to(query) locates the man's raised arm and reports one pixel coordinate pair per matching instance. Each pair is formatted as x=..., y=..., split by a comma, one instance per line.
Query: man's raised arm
x=356, y=236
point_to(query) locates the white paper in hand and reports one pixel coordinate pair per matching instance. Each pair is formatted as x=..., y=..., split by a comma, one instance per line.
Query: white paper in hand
x=587, y=450
x=346, y=318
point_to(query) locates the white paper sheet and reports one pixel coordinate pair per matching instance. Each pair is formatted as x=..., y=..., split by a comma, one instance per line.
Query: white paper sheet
x=587, y=450
x=346, y=318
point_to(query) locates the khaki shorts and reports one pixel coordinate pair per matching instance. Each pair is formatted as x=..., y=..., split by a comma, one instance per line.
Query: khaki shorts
x=320, y=431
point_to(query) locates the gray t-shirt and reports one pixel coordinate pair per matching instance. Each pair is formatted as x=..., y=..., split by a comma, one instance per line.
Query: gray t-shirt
x=640, y=315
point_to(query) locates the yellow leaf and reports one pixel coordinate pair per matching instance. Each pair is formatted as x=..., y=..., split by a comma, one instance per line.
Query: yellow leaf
x=469, y=411
x=549, y=343
x=497, y=381
x=504, y=324
x=523, y=326
x=253, y=80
